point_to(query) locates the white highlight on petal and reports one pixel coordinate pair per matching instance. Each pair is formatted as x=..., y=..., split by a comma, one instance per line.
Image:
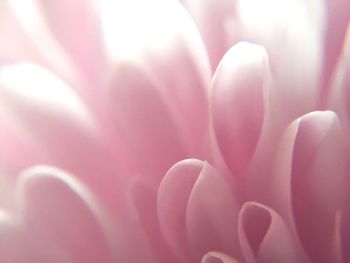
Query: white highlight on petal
x=263, y=14
x=4, y=216
x=42, y=88
x=130, y=26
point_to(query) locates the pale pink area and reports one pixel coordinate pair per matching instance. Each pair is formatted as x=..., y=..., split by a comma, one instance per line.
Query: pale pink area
x=64, y=18
x=319, y=184
x=197, y=220
x=217, y=257
x=338, y=18
x=57, y=220
x=238, y=97
x=181, y=133
x=218, y=24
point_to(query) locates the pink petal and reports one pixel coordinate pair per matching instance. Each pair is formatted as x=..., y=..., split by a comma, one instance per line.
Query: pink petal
x=14, y=243
x=158, y=93
x=81, y=37
x=57, y=208
x=308, y=183
x=319, y=183
x=218, y=24
x=51, y=118
x=338, y=14
x=239, y=95
x=144, y=202
x=172, y=206
x=211, y=216
x=15, y=44
x=265, y=237
x=339, y=95
x=217, y=257
x=291, y=32
x=32, y=32
x=344, y=233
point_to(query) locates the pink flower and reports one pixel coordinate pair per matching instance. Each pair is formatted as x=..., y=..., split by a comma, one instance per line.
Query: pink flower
x=159, y=131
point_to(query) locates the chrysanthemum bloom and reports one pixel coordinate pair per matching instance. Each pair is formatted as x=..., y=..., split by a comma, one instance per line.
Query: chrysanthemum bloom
x=167, y=131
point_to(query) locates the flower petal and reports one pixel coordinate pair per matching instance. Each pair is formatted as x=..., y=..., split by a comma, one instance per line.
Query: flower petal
x=82, y=37
x=319, y=183
x=144, y=202
x=265, y=237
x=338, y=14
x=51, y=118
x=238, y=103
x=309, y=182
x=217, y=257
x=211, y=216
x=218, y=24
x=57, y=208
x=157, y=93
x=172, y=206
x=294, y=48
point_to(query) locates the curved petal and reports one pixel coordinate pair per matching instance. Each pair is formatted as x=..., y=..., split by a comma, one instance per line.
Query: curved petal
x=339, y=95
x=144, y=203
x=309, y=183
x=265, y=237
x=57, y=220
x=338, y=14
x=211, y=215
x=238, y=102
x=291, y=31
x=172, y=206
x=202, y=218
x=158, y=83
x=56, y=207
x=217, y=257
x=144, y=120
x=319, y=183
x=15, y=44
x=52, y=119
x=82, y=37
x=218, y=24
x=36, y=37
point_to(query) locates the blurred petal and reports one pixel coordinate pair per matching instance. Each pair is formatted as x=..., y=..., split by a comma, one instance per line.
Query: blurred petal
x=294, y=48
x=36, y=35
x=58, y=220
x=218, y=24
x=11, y=241
x=49, y=115
x=344, y=233
x=239, y=97
x=81, y=37
x=339, y=95
x=172, y=206
x=144, y=200
x=217, y=257
x=60, y=209
x=158, y=83
x=338, y=14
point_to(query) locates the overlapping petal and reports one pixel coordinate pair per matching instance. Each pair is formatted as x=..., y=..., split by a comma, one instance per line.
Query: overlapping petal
x=57, y=220
x=239, y=99
x=158, y=93
x=197, y=222
x=265, y=237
